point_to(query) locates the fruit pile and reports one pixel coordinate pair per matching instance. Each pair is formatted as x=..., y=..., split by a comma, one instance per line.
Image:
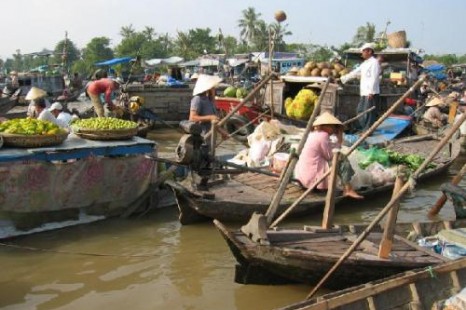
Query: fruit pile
x=30, y=126
x=104, y=123
x=302, y=105
x=233, y=92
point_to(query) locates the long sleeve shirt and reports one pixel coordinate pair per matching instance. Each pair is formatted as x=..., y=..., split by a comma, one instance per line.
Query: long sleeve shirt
x=103, y=86
x=369, y=72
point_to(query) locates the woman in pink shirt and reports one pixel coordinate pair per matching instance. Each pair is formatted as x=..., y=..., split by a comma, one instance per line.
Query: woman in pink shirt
x=317, y=152
x=103, y=86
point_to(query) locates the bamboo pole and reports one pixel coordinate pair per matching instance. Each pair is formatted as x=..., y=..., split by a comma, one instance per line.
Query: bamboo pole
x=244, y=101
x=441, y=201
x=327, y=219
x=358, y=116
x=390, y=204
x=351, y=149
x=291, y=163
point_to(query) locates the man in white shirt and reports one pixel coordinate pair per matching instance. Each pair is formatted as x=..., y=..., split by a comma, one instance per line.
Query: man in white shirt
x=64, y=119
x=369, y=90
x=43, y=113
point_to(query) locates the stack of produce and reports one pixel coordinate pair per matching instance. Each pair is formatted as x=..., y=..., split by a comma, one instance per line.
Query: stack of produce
x=323, y=69
x=104, y=123
x=30, y=127
x=302, y=105
x=233, y=92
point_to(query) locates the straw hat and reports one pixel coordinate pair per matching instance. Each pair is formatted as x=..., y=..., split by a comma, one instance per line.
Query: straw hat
x=327, y=118
x=35, y=93
x=13, y=73
x=205, y=82
x=434, y=101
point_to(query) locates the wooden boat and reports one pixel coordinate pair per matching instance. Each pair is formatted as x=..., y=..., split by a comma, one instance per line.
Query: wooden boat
x=6, y=104
x=77, y=181
x=305, y=255
x=237, y=197
x=418, y=289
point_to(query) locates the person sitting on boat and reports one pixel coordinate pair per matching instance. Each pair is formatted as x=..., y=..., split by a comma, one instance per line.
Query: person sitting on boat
x=433, y=114
x=202, y=105
x=34, y=94
x=317, y=152
x=63, y=118
x=105, y=86
x=43, y=113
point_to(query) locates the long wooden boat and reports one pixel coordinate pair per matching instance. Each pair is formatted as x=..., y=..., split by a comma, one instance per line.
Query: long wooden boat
x=6, y=104
x=306, y=255
x=237, y=197
x=423, y=288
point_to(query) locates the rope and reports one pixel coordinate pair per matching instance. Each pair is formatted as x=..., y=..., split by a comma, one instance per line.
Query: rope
x=34, y=249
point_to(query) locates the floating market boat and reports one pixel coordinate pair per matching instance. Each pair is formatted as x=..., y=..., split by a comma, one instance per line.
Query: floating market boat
x=237, y=196
x=6, y=104
x=425, y=288
x=305, y=255
x=77, y=181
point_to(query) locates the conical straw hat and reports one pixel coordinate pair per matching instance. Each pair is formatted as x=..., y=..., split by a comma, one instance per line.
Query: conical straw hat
x=434, y=101
x=35, y=93
x=205, y=82
x=327, y=119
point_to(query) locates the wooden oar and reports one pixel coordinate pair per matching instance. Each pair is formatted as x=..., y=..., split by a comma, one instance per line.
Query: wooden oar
x=390, y=204
x=358, y=116
x=291, y=163
x=351, y=149
x=441, y=201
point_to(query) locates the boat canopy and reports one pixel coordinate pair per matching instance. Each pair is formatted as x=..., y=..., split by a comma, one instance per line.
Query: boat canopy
x=114, y=61
x=174, y=60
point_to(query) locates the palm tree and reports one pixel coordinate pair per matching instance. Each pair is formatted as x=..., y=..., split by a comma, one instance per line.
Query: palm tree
x=248, y=24
x=148, y=32
x=280, y=32
x=127, y=31
x=364, y=34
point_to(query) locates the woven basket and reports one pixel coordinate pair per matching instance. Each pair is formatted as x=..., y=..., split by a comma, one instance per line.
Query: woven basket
x=397, y=39
x=17, y=140
x=116, y=134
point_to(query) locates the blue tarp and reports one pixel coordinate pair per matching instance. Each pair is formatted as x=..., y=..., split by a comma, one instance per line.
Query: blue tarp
x=391, y=127
x=114, y=61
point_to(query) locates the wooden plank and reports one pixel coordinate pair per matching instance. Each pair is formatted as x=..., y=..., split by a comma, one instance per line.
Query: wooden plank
x=329, y=209
x=421, y=249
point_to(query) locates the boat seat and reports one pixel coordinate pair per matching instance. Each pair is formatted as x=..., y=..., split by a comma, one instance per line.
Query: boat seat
x=458, y=197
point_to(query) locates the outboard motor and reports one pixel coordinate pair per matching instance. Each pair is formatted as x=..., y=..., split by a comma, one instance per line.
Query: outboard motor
x=192, y=149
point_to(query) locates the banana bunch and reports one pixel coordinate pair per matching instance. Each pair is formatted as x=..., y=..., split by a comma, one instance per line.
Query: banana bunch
x=104, y=123
x=30, y=126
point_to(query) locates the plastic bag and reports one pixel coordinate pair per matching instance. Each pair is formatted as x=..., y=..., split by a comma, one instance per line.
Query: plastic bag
x=372, y=155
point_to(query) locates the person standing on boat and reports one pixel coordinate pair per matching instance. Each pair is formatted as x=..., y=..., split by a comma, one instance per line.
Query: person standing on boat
x=203, y=108
x=369, y=72
x=105, y=86
x=317, y=152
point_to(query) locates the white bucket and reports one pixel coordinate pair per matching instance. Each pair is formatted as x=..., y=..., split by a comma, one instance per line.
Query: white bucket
x=279, y=161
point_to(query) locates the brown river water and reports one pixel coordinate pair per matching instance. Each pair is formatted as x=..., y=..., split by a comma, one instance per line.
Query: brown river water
x=156, y=263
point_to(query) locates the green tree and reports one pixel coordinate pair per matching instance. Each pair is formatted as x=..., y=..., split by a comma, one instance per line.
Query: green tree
x=127, y=31
x=248, y=25
x=98, y=49
x=364, y=34
x=280, y=32
x=195, y=42
x=66, y=52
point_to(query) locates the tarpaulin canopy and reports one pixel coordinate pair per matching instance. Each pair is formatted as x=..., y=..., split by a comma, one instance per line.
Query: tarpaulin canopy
x=174, y=60
x=114, y=61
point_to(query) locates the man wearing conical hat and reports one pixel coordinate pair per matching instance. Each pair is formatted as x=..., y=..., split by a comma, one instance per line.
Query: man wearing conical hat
x=314, y=160
x=202, y=105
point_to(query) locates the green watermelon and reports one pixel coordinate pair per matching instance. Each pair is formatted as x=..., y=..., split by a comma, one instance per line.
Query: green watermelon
x=230, y=92
x=241, y=92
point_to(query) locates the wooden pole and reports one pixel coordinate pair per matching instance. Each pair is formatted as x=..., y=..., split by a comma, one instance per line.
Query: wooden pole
x=358, y=116
x=441, y=201
x=390, y=204
x=291, y=163
x=351, y=149
x=327, y=219
x=244, y=101
x=387, y=240
x=213, y=137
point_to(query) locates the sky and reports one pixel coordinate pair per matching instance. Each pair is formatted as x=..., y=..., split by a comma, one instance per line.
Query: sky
x=32, y=25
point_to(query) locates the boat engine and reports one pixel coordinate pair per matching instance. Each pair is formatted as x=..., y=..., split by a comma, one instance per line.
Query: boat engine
x=191, y=149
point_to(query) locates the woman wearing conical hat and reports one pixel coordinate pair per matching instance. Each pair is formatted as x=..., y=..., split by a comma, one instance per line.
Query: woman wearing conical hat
x=317, y=152
x=202, y=108
x=433, y=114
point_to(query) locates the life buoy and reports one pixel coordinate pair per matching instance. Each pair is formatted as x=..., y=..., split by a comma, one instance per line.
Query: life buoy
x=233, y=125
